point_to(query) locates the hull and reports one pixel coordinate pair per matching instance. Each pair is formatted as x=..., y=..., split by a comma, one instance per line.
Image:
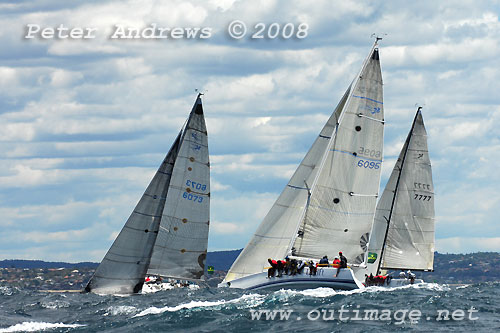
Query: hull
x=325, y=277
x=403, y=282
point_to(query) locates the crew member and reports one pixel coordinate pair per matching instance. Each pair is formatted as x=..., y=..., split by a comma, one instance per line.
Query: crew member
x=272, y=269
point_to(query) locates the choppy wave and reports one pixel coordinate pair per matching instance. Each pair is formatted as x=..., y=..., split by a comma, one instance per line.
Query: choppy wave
x=5, y=291
x=120, y=310
x=32, y=326
x=230, y=310
x=328, y=292
x=54, y=304
x=251, y=300
x=190, y=305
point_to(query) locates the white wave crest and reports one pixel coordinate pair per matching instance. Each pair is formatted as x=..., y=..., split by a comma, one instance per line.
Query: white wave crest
x=5, y=291
x=463, y=287
x=328, y=292
x=250, y=300
x=54, y=304
x=32, y=326
x=317, y=292
x=190, y=305
x=120, y=310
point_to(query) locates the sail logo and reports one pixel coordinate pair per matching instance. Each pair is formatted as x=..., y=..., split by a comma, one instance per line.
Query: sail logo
x=195, y=146
x=372, y=257
x=371, y=109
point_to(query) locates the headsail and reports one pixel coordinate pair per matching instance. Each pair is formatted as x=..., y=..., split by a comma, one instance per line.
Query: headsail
x=344, y=195
x=167, y=233
x=181, y=247
x=275, y=235
x=125, y=264
x=404, y=218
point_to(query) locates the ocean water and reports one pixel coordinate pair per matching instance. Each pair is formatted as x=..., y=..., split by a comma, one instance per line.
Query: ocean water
x=423, y=308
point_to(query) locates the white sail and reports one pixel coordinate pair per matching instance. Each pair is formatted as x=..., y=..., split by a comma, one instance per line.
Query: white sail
x=125, y=264
x=181, y=246
x=273, y=236
x=343, y=199
x=405, y=214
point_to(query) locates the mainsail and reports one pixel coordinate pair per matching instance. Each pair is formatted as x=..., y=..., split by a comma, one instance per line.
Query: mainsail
x=403, y=229
x=344, y=195
x=181, y=246
x=151, y=234
x=360, y=107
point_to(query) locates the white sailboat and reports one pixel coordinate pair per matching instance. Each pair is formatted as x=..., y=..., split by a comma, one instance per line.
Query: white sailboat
x=329, y=203
x=167, y=233
x=402, y=236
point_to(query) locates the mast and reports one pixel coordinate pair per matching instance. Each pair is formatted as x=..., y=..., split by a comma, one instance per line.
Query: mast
x=396, y=190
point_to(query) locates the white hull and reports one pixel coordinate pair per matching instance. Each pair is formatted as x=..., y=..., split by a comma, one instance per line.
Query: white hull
x=325, y=277
x=403, y=282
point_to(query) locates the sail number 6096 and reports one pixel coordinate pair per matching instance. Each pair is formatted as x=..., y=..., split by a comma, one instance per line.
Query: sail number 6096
x=368, y=164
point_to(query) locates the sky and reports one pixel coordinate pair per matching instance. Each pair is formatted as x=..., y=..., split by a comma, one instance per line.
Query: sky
x=85, y=122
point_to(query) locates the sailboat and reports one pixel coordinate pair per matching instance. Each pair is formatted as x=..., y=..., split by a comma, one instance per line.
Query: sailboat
x=167, y=233
x=329, y=203
x=402, y=236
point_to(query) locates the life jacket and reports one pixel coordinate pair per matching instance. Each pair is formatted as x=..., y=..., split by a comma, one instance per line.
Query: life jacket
x=274, y=262
x=336, y=263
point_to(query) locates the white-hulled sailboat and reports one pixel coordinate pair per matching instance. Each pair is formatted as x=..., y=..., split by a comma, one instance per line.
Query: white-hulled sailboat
x=402, y=236
x=329, y=203
x=167, y=233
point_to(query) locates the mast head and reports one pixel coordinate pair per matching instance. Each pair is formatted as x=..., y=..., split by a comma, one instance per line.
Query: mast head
x=419, y=106
x=377, y=37
x=199, y=92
